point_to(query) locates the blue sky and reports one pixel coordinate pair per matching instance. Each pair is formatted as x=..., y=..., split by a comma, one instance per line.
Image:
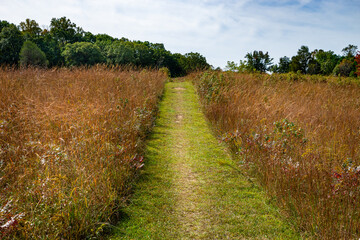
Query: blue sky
x=219, y=30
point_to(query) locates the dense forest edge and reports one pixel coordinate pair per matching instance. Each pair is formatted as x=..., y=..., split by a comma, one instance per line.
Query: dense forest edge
x=64, y=43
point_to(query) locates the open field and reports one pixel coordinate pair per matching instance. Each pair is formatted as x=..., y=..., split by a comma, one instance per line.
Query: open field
x=300, y=137
x=70, y=144
x=189, y=187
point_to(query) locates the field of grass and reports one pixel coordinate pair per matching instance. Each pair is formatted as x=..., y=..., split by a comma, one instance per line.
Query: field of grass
x=70, y=144
x=190, y=188
x=300, y=136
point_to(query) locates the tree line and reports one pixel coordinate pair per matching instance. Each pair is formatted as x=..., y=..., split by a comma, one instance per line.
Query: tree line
x=66, y=44
x=306, y=62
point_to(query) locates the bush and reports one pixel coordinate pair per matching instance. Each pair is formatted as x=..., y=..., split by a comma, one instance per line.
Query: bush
x=31, y=55
x=82, y=53
x=344, y=68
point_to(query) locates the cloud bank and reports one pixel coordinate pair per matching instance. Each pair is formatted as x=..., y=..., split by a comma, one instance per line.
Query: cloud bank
x=220, y=30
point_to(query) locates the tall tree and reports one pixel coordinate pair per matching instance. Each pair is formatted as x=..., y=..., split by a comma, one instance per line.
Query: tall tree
x=196, y=61
x=193, y=62
x=282, y=67
x=50, y=47
x=327, y=60
x=31, y=55
x=120, y=53
x=313, y=67
x=89, y=37
x=4, y=24
x=349, y=51
x=143, y=54
x=11, y=42
x=30, y=28
x=64, y=31
x=259, y=61
x=300, y=62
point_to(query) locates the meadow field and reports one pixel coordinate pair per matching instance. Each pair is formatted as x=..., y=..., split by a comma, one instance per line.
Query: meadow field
x=71, y=143
x=300, y=136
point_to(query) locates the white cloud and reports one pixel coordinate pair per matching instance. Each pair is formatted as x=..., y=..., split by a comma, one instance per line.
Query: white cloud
x=220, y=30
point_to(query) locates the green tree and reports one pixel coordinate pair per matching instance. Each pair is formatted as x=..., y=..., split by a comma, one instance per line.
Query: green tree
x=4, y=24
x=345, y=68
x=30, y=28
x=120, y=53
x=11, y=42
x=314, y=67
x=31, y=55
x=232, y=66
x=51, y=48
x=164, y=58
x=64, y=31
x=258, y=61
x=82, y=53
x=349, y=51
x=170, y=62
x=143, y=54
x=283, y=67
x=104, y=37
x=104, y=41
x=327, y=60
x=300, y=62
x=193, y=62
x=178, y=70
x=89, y=37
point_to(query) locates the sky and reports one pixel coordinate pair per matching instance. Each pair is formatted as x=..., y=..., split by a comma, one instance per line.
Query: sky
x=219, y=30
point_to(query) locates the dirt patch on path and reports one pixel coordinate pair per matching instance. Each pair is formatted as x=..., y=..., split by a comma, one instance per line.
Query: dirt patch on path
x=179, y=88
x=179, y=118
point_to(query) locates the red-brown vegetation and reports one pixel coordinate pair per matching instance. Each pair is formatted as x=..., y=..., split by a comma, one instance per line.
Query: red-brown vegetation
x=70, y=144
x=300, y=136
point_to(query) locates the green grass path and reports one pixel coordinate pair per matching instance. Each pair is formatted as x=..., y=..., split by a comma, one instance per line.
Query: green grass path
x=187, y=189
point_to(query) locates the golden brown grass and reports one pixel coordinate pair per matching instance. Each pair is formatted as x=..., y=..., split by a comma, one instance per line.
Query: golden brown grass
x=300, y=136
x=70, y=144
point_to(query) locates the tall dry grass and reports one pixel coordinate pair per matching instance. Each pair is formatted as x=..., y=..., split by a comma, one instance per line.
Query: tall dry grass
x=70, y=144
x=300, y=136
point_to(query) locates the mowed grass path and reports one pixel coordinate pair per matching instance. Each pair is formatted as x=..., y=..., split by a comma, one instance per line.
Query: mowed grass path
x=188, y=190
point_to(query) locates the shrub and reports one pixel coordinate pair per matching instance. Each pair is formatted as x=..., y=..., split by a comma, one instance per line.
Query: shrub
x=357, y=59
x=344, y=68
x=82, y=53
x=31, y=55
